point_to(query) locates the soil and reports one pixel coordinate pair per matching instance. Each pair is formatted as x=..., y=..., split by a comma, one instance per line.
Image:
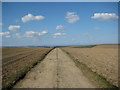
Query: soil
x=16, y=59
x=102, y=59
x=57, y=70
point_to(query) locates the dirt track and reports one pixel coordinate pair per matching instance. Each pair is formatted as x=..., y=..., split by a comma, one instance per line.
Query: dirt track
x=57, y=70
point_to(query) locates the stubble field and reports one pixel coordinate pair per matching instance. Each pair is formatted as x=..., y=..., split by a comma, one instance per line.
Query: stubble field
x=102, y=59
x=16, y=61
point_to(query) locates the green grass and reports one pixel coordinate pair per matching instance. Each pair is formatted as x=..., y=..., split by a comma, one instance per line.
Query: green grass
x=89, y=46
x=21, y=74
x=95, y=78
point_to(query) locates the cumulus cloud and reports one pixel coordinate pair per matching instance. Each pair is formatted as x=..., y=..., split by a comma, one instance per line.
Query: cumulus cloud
x=105, y=16
x=30, y=17
x=58, y=34
x=18, y=35
x=8, y=36
x=14, y=27
x=1, y=33
x=42, y=33
x=27, y=34
x=35, y=34
x=72, y=17
x=1, y=24
x=5, y=34
x=59, y=27
x=30, y=34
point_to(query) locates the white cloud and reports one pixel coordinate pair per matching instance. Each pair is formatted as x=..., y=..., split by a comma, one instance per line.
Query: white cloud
x=1, y=33
x=59, y=27
x=35, y=34
x=5, y=34
x=27, y=34
x=72, y=17
x=17, y=35
x=1, y=24
x=30, y=17
x=42, y=33
x=58, y=34
x=30, y=34
x=14, y=27
x=105, y=16
x=8, y=36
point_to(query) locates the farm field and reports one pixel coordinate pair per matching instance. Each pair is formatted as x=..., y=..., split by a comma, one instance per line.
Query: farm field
x=59, y=45
x=16, y=61
x=102, y=59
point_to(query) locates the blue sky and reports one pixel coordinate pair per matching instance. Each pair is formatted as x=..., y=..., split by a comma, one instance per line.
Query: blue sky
x=59, y=23
x=60, y=0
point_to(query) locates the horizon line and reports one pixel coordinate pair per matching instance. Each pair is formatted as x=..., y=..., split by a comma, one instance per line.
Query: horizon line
x=59, y=45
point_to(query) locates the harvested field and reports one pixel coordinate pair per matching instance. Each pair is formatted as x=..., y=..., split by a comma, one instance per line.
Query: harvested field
x=16, y=60
x=106, y=46
x=101, y=59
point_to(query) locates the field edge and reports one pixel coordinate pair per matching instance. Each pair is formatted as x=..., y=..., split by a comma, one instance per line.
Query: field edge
x=21, y=74
x=95, y=78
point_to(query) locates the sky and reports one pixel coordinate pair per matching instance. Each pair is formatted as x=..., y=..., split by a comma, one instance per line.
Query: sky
x=59, y=23
x=60, y=0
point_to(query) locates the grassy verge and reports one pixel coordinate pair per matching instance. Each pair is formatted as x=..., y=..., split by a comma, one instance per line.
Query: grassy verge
x=21, y=74
x=96, y=79
x=88, y=46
